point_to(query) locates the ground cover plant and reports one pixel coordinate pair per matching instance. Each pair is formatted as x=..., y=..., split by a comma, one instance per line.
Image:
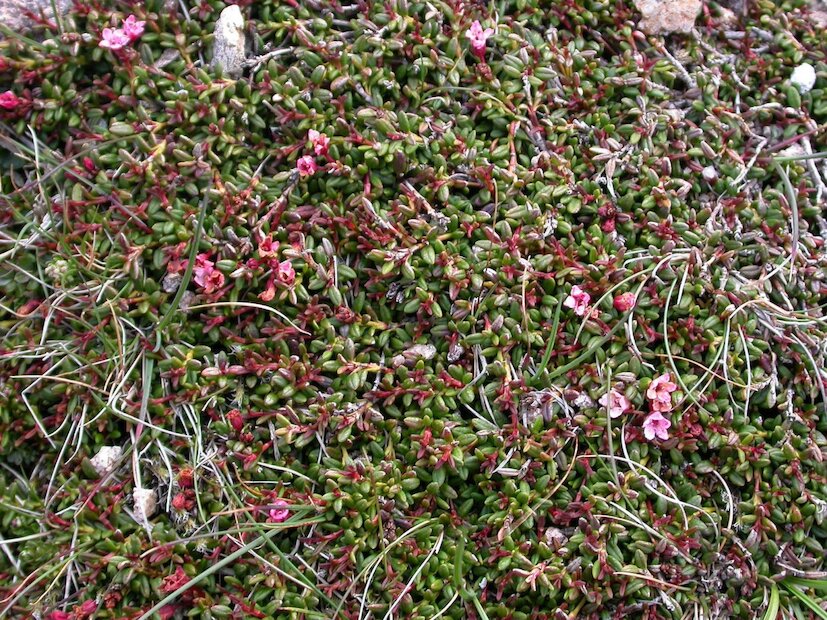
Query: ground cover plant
x=436, y=309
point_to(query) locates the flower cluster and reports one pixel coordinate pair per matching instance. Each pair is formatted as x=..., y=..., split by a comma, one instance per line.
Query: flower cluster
x=118, y=38
x=281, y=272
x=206, y=275
x=320, y=143
x=659, y=394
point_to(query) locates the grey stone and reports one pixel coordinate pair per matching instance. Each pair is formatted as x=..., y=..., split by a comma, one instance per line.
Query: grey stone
x=230, y=41
x=14, y=13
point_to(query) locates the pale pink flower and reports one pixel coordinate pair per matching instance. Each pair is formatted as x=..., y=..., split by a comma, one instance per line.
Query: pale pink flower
x=279, y=513
x=206, y=275
x=9, y=101
x=268, y=248
x=616, y=402
x=579, y=300
x=660, y=393
x=114, y=39
x=655, y=425
x=625, y=302
x=306, y=166
x=478, y=37
x=319, y=141
x=132, y=28
x=285, y=273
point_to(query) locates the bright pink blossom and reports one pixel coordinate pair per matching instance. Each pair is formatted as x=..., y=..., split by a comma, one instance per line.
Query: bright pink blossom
x=616, y=402
x=9, y=101
x=625, y=302
x=660, y=393
x=306, y=166
x=60, y=615
x=132, y=28
x=114, y=39
x=655, y=425
x=285, y=273
x=579, y=300
x=478, y=37
x=319, y=141
x=206, y=275
x=279, y=513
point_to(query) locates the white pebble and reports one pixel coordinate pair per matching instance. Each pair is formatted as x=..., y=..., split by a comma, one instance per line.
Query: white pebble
x=710, y=174
x=804, y=77
x=106, y=459
x=145, y=501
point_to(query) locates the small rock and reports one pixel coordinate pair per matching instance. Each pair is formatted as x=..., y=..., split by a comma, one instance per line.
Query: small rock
x=709, y=174
x=230, y=41
x=794, y=150
x=106, y=459
x=665, y=16
x=13, y=13
x=417, y=351
x=804, y=77
x=145, y=501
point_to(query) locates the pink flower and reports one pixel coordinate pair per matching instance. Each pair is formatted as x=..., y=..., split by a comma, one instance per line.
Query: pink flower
x=171, y=583
x=114, y=39
x=478, y=37
x=132, y=28
x=319, y=141
x=60, y=615
x=279, y=513
x=616, y=402
x=656, y=426
x=9, y=101
x=660, y=393
x=306, y=166
x=206, y=275
x=268, y=248
x=87, y=608
x=285, y=273
x=625, y=302
x=579, y=300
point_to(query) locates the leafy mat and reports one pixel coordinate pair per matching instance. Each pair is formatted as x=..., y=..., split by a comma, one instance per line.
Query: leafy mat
x=414, y=319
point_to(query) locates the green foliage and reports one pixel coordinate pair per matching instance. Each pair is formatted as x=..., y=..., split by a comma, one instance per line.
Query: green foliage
x=386, y=345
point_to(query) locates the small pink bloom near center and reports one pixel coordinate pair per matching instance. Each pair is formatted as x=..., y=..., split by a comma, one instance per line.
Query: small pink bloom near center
x=206, y=275
x=9, y=101
x=307, y=166
x=268, y=248
x=478, y=38
x=660, y=391
x=133, y=28
x=655, y=425
x=280, y=512
x=285, y=273
x=625, y=302
x=114, y=39
x=616, y=402
x=319, y=141
x=578, y=300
